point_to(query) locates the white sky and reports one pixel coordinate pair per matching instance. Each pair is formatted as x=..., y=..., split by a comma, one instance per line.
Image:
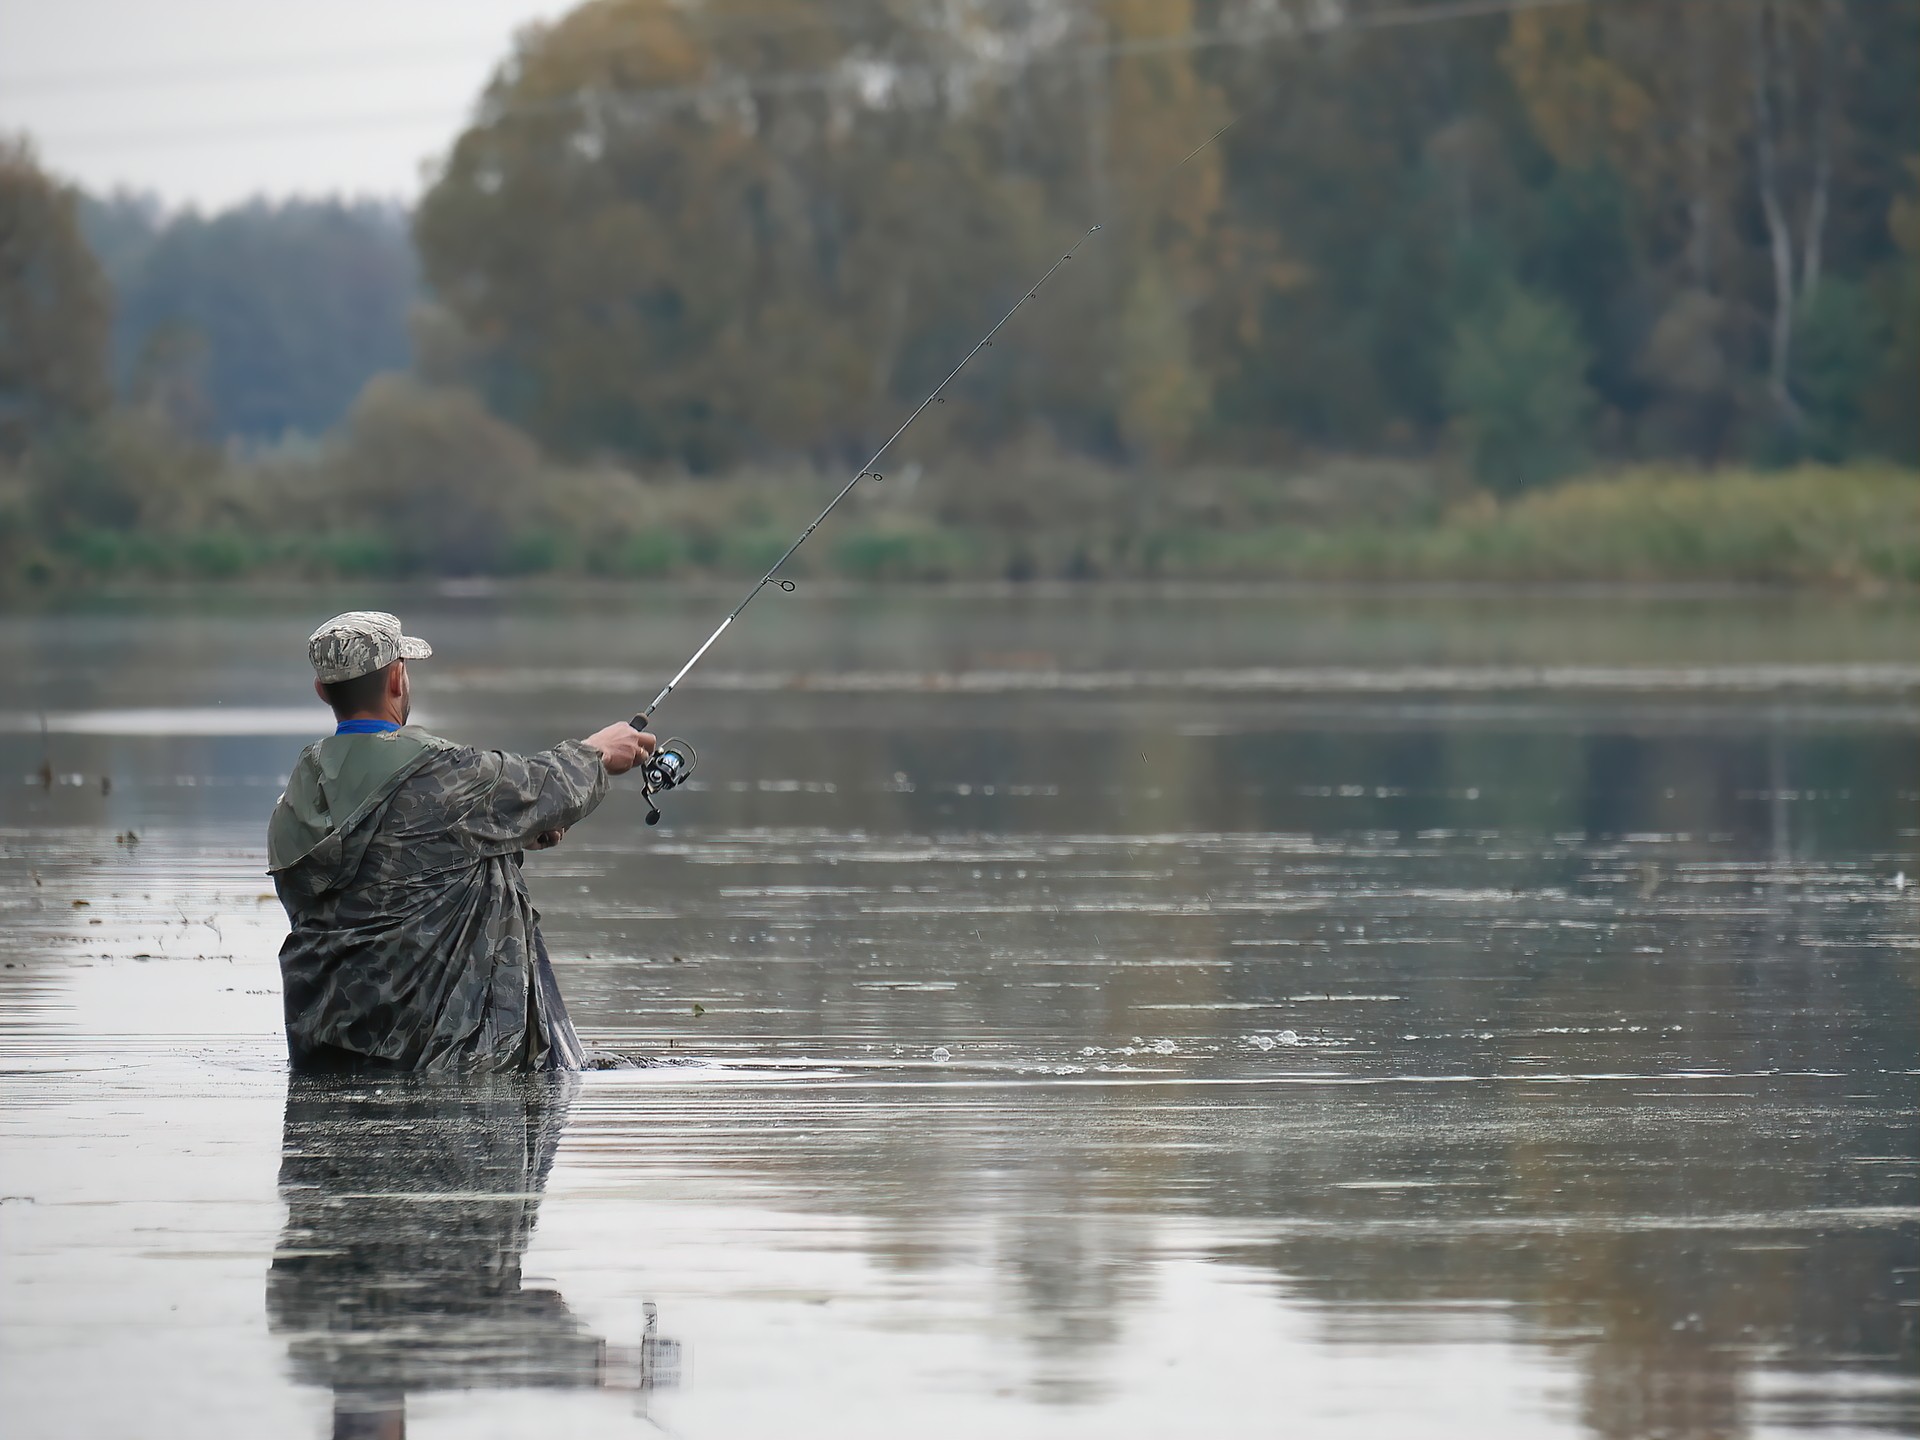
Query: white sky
x=208, y=101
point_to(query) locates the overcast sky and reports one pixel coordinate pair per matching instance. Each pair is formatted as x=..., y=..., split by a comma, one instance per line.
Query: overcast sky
x=209, y=101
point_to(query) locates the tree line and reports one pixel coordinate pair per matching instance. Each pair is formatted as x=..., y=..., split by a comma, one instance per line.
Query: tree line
x=1677, y=228
x=750, y=234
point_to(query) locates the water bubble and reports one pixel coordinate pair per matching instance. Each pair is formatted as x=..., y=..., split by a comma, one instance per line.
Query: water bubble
x=1261, y=1042
x=1288, y=1037
x=1164, y=1047
x=941, y=1054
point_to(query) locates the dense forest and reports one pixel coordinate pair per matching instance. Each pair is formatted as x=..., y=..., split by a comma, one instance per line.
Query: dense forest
x=1491, y=247
x=1643, y=227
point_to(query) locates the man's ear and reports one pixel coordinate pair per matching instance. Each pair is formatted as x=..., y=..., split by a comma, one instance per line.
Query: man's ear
x=396, y=678
x=321, y=691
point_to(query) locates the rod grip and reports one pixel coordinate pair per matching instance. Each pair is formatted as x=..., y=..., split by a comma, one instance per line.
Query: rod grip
x=640, y=721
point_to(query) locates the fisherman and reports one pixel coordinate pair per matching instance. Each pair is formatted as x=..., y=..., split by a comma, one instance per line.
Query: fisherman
x=414, y=945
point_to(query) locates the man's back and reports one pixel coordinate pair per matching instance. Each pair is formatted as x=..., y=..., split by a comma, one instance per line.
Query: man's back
x=414, y=945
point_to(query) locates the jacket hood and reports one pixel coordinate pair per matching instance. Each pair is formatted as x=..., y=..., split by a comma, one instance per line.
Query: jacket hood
x=336, y=784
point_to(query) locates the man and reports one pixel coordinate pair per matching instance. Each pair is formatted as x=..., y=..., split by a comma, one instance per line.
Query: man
x=397, y=854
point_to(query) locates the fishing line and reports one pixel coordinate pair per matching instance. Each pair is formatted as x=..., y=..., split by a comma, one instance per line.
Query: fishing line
x=935, y=396
x=673, y=763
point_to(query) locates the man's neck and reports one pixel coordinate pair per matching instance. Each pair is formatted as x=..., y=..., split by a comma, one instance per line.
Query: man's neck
x=385, y=714
x=367, y=720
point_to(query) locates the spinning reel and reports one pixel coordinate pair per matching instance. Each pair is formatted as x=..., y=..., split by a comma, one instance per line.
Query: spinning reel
x=671, y=765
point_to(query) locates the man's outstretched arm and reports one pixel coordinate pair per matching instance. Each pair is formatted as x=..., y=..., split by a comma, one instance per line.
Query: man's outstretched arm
x=527, y=801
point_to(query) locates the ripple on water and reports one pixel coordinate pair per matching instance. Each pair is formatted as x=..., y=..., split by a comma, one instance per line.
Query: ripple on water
x=1444, y=1098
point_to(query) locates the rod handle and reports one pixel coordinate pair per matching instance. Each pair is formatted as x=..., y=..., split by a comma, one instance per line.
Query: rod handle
x=640, y=721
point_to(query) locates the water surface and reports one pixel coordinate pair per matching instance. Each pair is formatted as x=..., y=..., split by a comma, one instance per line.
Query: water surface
x=1094, y=1012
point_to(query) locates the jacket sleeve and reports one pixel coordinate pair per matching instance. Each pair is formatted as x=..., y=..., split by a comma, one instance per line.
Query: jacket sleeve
x=509, y=799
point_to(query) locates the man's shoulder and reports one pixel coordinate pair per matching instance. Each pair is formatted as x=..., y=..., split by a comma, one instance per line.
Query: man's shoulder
x=424, y=737
x=447, y=766
x=454, y=753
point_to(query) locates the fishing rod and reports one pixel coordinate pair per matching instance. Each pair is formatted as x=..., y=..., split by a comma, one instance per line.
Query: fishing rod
x=672, y=764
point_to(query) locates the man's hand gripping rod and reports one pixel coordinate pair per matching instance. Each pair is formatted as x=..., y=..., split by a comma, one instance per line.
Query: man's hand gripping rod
x=673, y=762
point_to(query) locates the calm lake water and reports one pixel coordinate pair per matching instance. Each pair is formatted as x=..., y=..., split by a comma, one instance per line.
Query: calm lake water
x=1095, y=1012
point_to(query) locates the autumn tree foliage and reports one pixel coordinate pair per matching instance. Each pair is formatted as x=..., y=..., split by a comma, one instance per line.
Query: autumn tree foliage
x=54, y=308
x=702, y=234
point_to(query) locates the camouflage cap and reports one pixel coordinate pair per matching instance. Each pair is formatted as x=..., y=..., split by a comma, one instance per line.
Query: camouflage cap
x=358, y=643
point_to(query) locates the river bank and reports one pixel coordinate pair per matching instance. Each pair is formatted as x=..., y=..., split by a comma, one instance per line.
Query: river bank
x=1854, y=528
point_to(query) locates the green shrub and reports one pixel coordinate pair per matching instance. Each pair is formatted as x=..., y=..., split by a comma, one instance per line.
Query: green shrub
x=219, y=556
x=755, y=551
x=535, y=552
x=1811, y=525
x=648, y=554
x=1517, y=390
x=901, y=555
x=355, y=556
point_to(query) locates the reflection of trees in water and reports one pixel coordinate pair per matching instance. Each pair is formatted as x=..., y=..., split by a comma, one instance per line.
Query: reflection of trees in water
x=1541, y=764
x=1072, y=1277
x=1664, y=1320
x=1658, y=1248
x=1667, y=1245
x=410, y=1205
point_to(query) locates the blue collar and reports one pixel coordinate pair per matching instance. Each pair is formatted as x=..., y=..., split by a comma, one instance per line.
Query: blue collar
x=366, y=727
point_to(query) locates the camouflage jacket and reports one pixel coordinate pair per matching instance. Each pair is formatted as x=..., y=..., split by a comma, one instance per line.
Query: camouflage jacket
x=414, y=945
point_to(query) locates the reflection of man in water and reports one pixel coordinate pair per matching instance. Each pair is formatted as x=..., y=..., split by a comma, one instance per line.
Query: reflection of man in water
x=409, y=1207
x=414, y=945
